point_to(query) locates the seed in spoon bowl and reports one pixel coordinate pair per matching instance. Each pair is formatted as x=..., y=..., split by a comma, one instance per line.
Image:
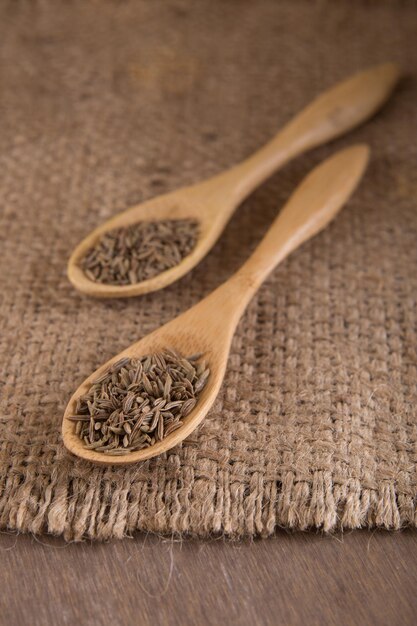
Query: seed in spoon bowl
x=135, y=253
x=138, y=402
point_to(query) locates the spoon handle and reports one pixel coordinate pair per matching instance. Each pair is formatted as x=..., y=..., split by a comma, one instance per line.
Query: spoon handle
x=331, y=114
x=315, y=202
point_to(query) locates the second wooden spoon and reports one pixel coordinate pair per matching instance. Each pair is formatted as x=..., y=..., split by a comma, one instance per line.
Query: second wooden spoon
x=213, y=201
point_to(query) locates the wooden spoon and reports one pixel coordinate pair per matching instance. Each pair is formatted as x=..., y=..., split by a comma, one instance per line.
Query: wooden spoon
x=209, y=326
x=212, y=202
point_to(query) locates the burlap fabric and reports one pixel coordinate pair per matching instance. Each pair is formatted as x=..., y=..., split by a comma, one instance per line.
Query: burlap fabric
x=104, y=104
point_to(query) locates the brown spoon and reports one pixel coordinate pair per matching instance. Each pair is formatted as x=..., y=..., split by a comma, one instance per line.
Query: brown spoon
x=213, y=201
x=209, y=326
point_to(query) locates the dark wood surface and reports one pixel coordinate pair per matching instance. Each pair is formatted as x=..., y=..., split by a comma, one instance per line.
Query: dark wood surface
x=359, y=578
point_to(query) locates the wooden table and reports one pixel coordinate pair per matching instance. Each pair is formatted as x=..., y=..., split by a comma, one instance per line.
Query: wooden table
x=359, y=578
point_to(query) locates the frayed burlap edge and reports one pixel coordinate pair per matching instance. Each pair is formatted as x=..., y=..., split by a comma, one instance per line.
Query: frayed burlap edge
x=258, y=508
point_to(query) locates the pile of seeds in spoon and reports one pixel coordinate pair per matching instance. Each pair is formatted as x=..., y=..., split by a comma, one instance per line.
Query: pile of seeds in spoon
x=138, y=402
x=129, y=255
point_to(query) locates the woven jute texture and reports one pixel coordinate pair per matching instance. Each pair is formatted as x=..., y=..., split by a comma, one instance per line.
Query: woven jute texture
x=105, y=104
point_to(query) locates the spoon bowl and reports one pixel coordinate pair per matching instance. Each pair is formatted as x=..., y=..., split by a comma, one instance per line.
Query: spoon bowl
x=186, y=335
x=213, y=201
x=208, y=327
x=207, y=208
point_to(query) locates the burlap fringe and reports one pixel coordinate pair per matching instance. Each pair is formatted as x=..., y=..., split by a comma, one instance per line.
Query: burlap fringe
x=81, y=510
